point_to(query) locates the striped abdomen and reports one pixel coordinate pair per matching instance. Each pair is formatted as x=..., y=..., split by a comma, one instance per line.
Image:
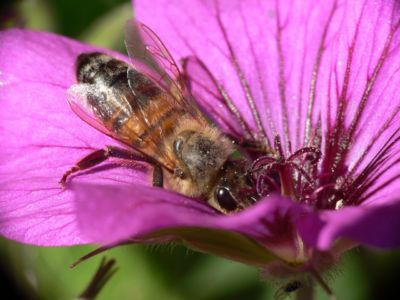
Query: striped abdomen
x=130, y=105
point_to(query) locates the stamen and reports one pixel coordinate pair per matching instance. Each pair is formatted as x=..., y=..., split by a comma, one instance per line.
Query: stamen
x=260, y=163
x=302, y=172
x=307, y=151
x=278, y=146
x=265, y=185
x=301, y=163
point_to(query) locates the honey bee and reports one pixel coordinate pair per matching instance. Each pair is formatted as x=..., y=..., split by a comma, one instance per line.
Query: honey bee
x=161, y=125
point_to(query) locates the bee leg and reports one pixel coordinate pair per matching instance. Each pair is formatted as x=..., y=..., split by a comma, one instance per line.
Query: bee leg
x=158, y=177
x=98, y=156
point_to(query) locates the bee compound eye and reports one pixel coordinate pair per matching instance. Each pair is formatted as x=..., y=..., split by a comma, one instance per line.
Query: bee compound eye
x=178, y=143
x=225, y=199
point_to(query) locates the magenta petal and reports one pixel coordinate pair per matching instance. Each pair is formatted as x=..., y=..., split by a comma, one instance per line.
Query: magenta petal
x=298, y=60
x=357, y=85
x=204, y=88
x=372, y=225
x=313, y=69
x=261, y=52
x=360, y=75
x=191, y=28
x=41, y=138
x=108, y=214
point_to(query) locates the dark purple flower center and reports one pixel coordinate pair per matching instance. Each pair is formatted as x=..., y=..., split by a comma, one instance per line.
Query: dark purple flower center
x=299, y=177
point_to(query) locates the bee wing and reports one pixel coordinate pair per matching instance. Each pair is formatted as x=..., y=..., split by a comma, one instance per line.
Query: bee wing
x=152, y=51
x=109, y=111
x=79, y=100
x=211, y=99
x=159, y=65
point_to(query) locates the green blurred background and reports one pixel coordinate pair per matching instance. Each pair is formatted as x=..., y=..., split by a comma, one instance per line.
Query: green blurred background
x=152, y=272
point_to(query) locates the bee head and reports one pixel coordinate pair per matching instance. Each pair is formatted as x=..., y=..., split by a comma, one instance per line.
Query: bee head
x=224, y=181
x=234, y=189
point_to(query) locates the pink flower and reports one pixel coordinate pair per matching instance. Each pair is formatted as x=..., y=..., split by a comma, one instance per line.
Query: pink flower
x=320, y=76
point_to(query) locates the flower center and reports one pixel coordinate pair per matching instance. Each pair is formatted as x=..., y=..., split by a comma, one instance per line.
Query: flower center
x=296, y=176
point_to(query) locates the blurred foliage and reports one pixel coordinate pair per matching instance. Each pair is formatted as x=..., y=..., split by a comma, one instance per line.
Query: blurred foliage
x=173, y=272
x=98, y=22
x=151, y=272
